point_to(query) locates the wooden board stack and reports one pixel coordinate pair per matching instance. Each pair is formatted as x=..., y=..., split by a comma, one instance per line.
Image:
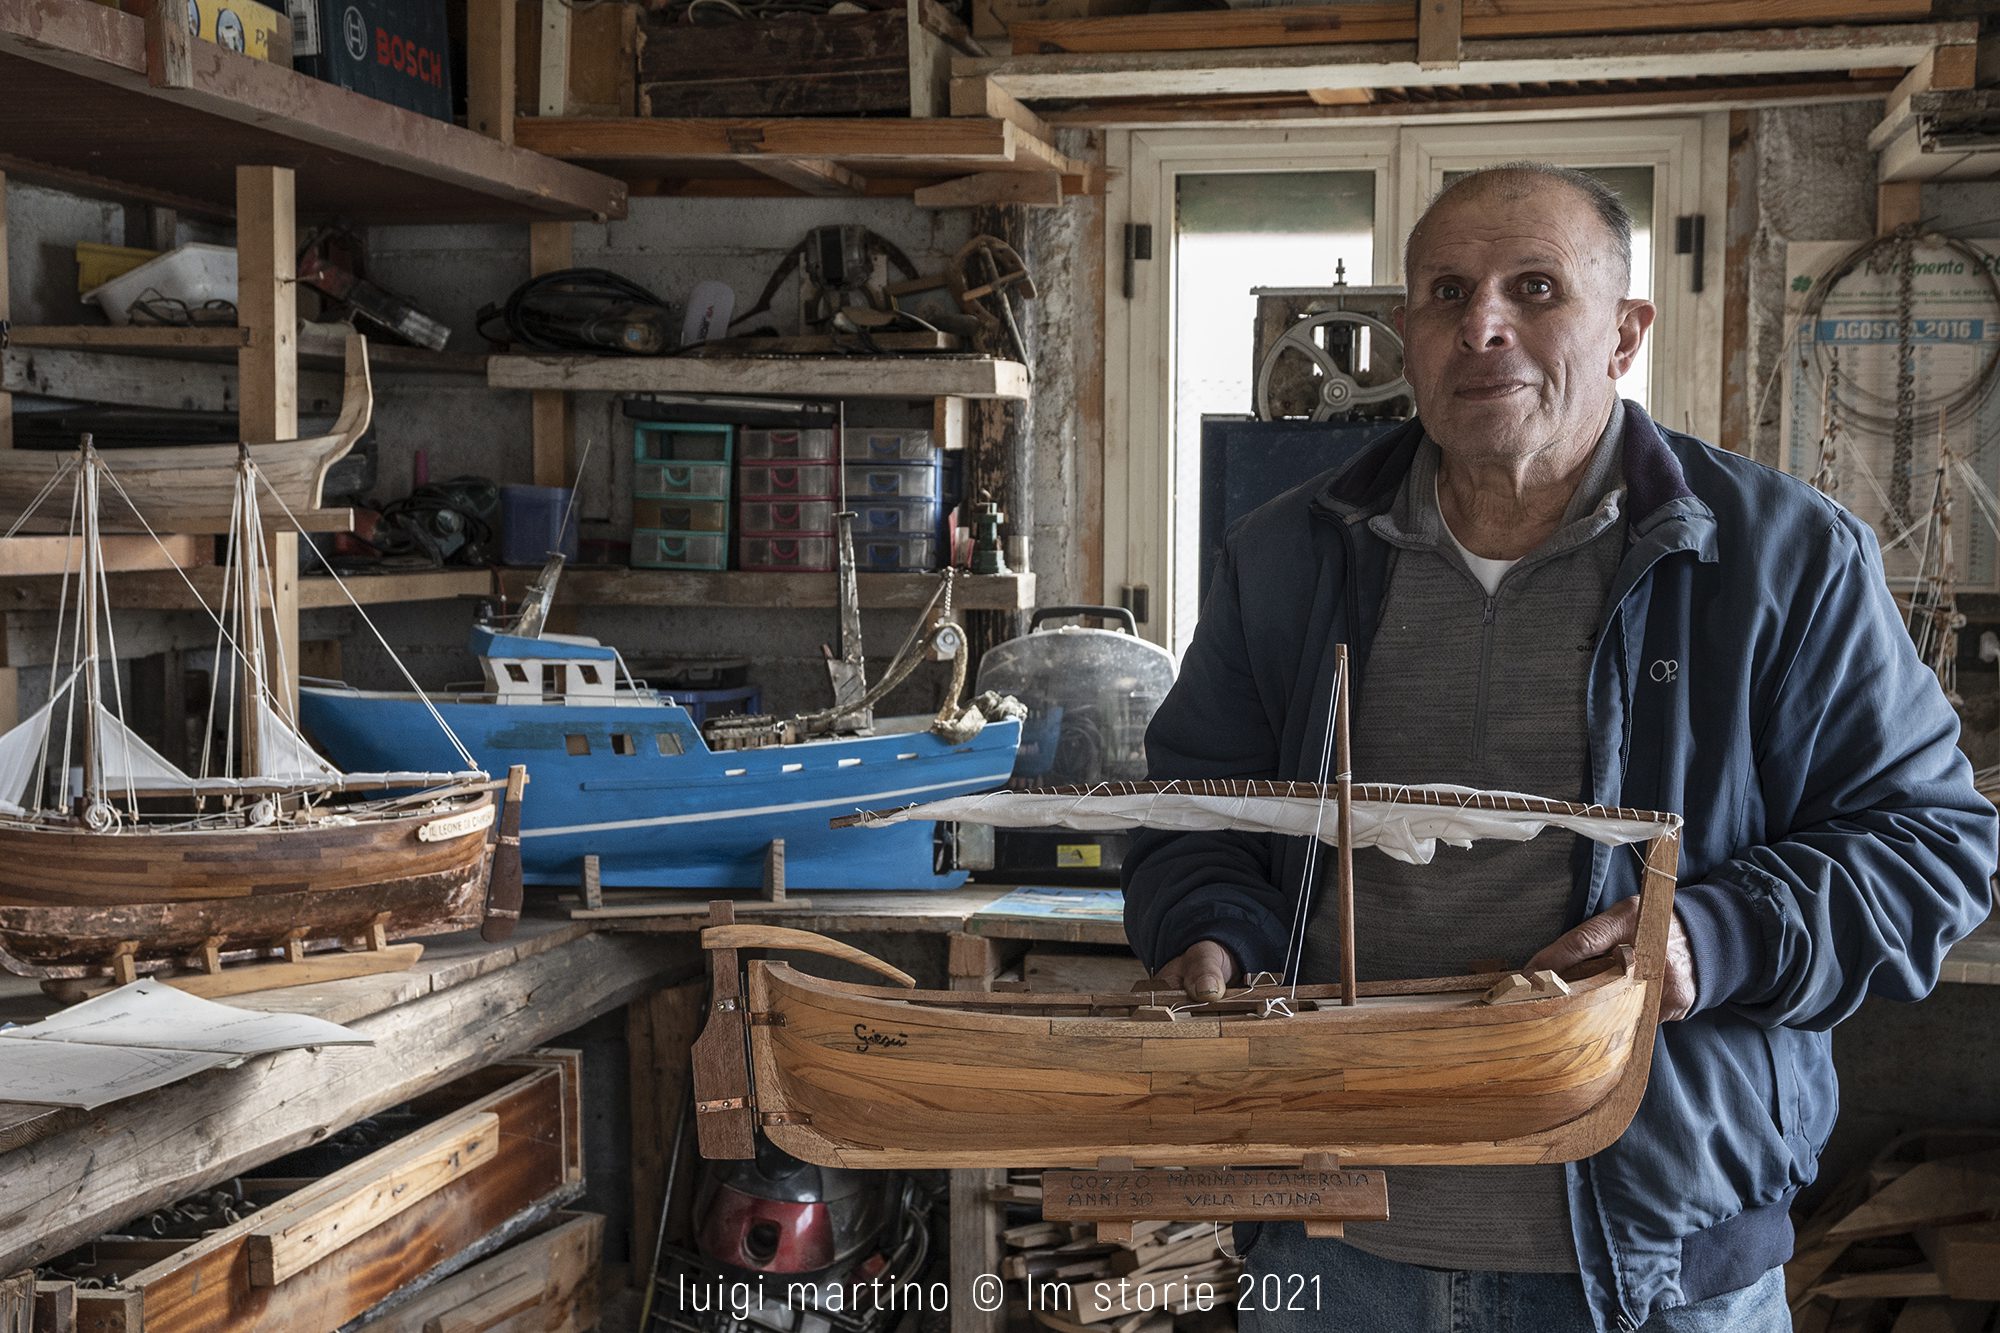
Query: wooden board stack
x=1171, y=1278
x=1910, y=1243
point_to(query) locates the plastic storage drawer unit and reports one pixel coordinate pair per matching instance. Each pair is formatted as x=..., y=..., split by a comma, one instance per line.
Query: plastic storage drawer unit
x=891, y=481
x=789, y=554
x=786, y=481
x=813, y=518
x=787, y=446
x=893, y=516
x=681, y=442
x=679, y=550
x=681, y=515
x=692, y=481
x=863, y=444
x=910, y=551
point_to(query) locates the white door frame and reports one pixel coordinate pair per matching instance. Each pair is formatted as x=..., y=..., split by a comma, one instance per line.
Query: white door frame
x=1689, y=155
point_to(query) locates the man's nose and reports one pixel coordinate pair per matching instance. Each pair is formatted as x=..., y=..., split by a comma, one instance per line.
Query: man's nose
x=1487, y=324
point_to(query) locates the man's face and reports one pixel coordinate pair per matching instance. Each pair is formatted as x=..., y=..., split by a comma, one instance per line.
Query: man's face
x=1516, y=324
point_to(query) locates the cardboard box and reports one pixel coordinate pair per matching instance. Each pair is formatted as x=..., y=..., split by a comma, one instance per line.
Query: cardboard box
x=396, y=51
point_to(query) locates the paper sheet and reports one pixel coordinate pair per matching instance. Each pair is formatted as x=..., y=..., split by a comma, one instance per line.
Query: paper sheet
x=143, y=1036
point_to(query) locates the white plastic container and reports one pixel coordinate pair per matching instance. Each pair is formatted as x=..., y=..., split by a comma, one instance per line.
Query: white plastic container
x=193, y=273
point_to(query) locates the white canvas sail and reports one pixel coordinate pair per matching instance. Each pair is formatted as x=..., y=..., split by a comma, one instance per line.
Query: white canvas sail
x=282, y=754
x=123, y=760
x=20, y=754
x=1383, y=816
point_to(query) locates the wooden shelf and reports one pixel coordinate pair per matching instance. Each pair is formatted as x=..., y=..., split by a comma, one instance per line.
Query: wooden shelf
x=31, y=557
x=222, y=344
x=758, y=591
x=155, y=589
x=80, y=106
x=768, y=376
x=1243, y=71
x=884, y=156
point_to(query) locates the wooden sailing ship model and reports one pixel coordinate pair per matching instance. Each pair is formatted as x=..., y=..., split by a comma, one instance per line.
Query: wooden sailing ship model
x=1488, y=1068
x=112, y=858
x=192, y=487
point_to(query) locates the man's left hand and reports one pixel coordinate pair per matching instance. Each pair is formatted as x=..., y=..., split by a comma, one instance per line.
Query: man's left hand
x=1605, y=932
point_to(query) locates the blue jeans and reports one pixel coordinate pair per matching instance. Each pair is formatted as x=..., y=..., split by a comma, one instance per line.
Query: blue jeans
x=1295, y=1285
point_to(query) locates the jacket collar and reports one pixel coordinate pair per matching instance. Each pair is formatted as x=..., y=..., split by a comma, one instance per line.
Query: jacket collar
x=1661, y=506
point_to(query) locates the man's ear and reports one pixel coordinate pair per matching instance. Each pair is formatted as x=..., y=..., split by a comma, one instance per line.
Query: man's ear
x=1396, y=318
x=1635, y=316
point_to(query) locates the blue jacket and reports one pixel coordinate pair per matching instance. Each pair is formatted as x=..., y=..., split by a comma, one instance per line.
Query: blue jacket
x=1752, y=673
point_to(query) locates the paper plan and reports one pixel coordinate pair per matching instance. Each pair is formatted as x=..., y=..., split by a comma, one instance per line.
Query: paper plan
x=139, y=1037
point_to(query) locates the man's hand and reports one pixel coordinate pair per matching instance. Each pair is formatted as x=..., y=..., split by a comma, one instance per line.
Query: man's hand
x=1605, y=932
x=1202, y=971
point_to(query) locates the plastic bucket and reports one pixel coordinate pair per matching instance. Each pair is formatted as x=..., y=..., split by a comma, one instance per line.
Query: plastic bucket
x=531, y=524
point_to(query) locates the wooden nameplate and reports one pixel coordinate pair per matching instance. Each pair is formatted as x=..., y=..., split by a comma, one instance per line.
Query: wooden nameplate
x=1321, y=1194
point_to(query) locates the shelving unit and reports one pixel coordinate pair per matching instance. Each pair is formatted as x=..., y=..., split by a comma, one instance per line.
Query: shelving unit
x=787, y=376
x=667, y=588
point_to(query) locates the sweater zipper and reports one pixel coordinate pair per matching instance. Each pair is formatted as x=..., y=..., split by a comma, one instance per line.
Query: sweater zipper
x=1487, y=613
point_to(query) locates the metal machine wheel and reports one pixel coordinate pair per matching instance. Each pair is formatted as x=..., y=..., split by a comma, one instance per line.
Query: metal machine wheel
x=1338, y=391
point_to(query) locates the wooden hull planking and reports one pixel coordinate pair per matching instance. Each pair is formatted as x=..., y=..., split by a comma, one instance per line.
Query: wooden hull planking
x=191, y=487
x=847, y=1078
x=69, y=898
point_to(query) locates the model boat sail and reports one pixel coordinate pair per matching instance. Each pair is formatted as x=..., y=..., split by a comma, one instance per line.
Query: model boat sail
x=624, y=773
x=1490, y=1068
x=112, y=856
x=194, y=485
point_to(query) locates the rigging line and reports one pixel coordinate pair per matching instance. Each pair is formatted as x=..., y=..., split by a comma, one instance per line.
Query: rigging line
x=1295, y=943
x=575, y=489
x=464, y=754
x=117, y=686
x=48, y=487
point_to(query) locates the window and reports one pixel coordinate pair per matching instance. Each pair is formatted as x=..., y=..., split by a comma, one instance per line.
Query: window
x=577, y=744
x=621, y=743
x=1295, y=205
x=517, y=673
x=669, y=743
x=590, y=676
x=553, y=680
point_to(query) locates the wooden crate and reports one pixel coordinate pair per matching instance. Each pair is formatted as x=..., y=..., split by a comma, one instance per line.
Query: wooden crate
x=894, y=61
x=547, y=1282
x=496, y=1144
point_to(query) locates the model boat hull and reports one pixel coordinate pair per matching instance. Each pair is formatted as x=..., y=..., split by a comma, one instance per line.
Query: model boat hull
x=69, y=898
x=671, y=813
x=850, y=1076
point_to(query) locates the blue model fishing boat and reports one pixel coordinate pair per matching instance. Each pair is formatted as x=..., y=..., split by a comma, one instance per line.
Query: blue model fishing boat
x=621, y=771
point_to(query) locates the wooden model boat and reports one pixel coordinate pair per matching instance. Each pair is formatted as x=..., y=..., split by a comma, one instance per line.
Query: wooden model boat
x=1493, y=1068
x=140, y=865
x=191, y=487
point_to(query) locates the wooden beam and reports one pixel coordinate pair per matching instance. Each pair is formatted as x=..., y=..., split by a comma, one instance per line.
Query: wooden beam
x=810, y=177
x=551, y=248
x=980, y=97
x=489, y=68
x=746, y=590
x=128, y=337
x=1486, y=61
x=659, y=1033
x=978, y=141
x=267, y=307
x=1898, y=204
x=169, y=47
x=992, y=189
x=794, y=376
x=21, y=557
x=142, y=381
x=150, y=1150
x=1440, y=31
x=6, y=398
x=1318, y=25
x=553, y=90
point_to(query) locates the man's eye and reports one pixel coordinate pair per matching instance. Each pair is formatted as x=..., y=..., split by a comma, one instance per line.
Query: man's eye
x=1448, y=291
x=1537, y=286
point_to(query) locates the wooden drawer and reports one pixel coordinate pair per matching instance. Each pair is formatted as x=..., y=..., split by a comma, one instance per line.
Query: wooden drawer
x=545, y=1283
x=493, y=1145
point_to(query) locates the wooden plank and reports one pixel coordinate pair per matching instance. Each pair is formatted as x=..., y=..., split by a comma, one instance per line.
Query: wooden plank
x=660, y=1030
x=1959, y=1189
x=1440, y=30
x=313, y=970
x=416, y=1168
x=844, y=64
x=551, y=248
x=992, y=189
x=169, y=48
x=24, y=556
x=972, y=1218
x=1929, y=1314
x=975, y=141
x=267, y=308
x=1898, y=204
x=563, y=1256
x=80, y=78
x=55, y=1307
x=1239, y=71
x=489, y=68
x=1915, y=1280
x=1967, y=1258
x=6, y=398
x=796, y=377
x=553, y=84
x=151, y=1150
x=1324, y=24
x=141, y=381
x=126, y=337
x=981, y=97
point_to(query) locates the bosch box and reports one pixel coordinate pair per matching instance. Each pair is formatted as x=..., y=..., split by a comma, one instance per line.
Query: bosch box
x=395, y=51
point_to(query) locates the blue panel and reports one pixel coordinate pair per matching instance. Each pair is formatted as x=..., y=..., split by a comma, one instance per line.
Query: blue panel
x=488, y=643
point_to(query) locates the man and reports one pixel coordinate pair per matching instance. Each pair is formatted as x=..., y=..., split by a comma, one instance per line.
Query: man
x=1544, y=591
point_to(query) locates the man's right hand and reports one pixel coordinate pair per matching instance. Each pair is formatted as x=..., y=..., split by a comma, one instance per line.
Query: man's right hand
x=1203, y=971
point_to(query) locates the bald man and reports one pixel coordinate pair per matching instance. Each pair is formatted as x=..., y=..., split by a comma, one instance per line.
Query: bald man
x=1544, y=591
